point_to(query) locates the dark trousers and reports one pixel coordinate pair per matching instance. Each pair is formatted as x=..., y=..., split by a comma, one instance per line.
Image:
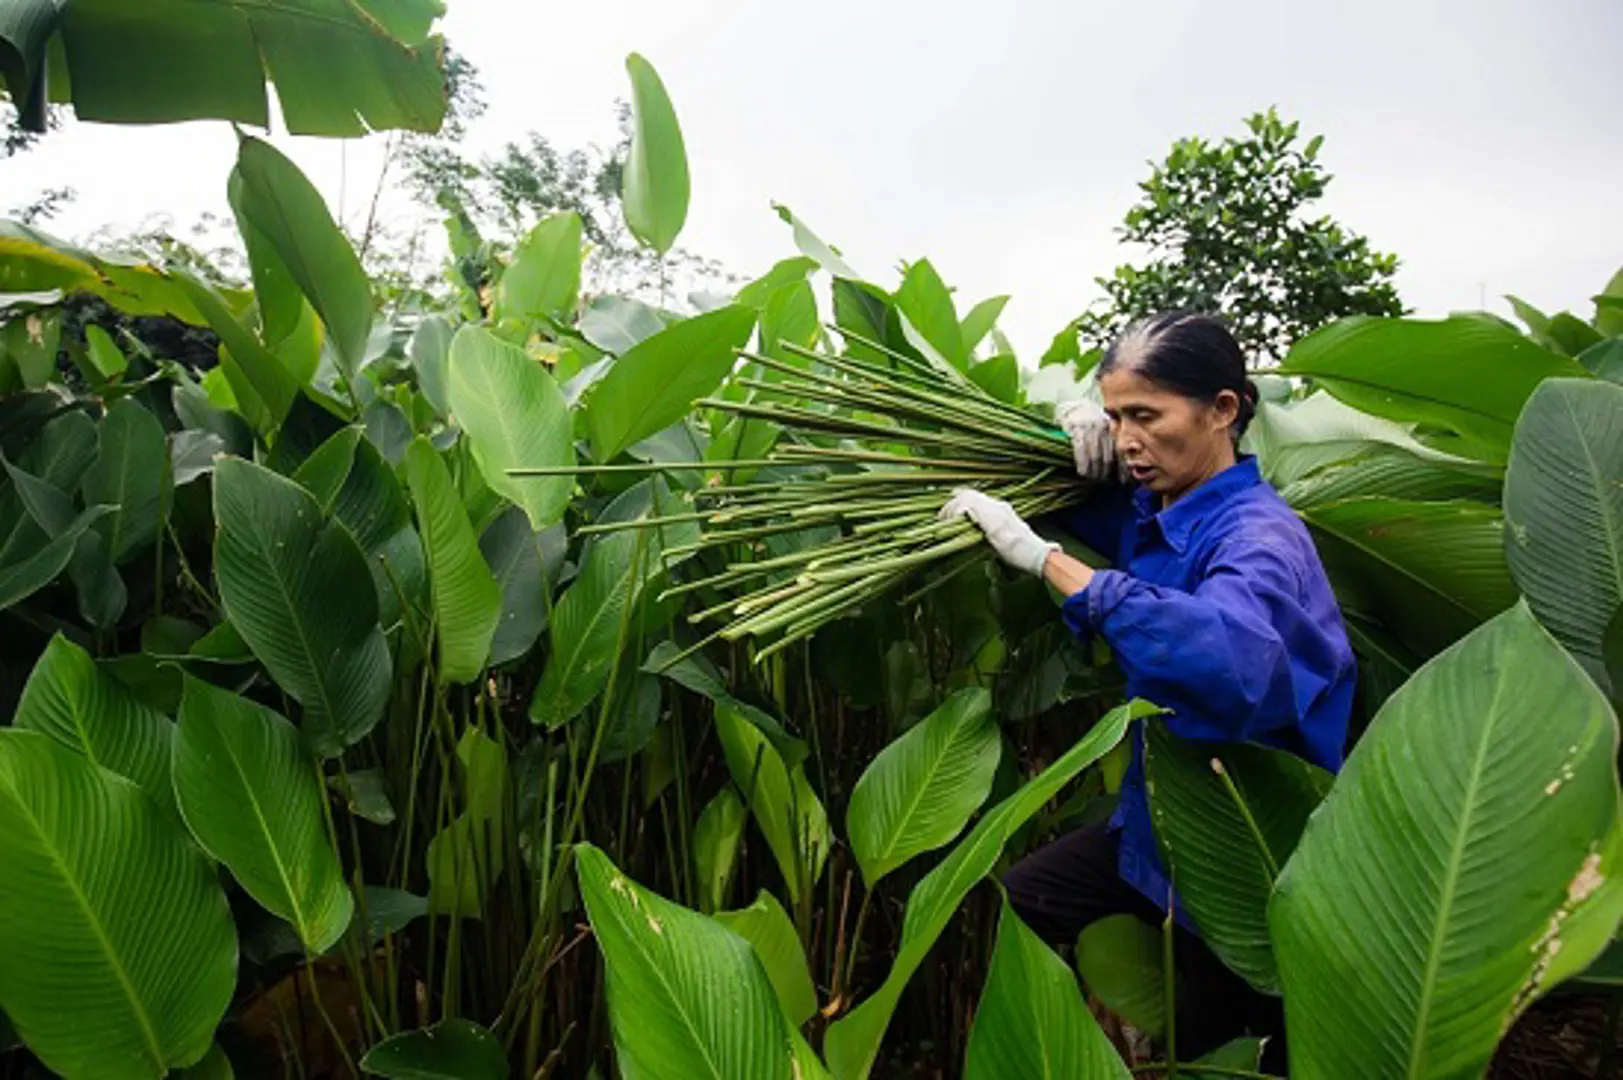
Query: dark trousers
x=1062, y=887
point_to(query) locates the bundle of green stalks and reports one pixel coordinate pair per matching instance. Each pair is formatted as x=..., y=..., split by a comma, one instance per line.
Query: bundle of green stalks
x=875, y=445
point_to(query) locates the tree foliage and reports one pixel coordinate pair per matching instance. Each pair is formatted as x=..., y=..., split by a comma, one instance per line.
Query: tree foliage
x=1227, y=229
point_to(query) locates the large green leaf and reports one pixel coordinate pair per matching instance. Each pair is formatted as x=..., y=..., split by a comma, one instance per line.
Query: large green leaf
x=920, y=791
x=467, y=600
x=120, y=957
x=657, y=381
x=1225, y=848
x=525, y=565
x=1031, y=1021
x=716, y=836
x=430, y=358
x=1430, y=572
x=32, y=572
x=372, y=504
x=587, y=620
x=1564, y=512
x=515, y=417
x=263, y=389
x=980, y=321
x=1293, y=439
x=654, y=185
x=271, y=195
x=453, y=1049
x=1120, y=960
x=813, y=247
x=766, y=926
x=687, y=997
x=68, y=698
x=543, y=280
x=1469, y=375
x=130, y=473
x=1394, y=473
x=1458, y=853
x=927, y=304
x=853, y=1042
x=33, y=261
x=780, y=798
x=341, y=67
x=467, y=856
x=252, y=795
x=296, y=587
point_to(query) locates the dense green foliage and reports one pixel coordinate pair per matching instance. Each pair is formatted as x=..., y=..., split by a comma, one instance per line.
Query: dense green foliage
x=338, y=741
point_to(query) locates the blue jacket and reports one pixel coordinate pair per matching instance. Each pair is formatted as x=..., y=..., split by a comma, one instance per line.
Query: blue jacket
x=1221, y=612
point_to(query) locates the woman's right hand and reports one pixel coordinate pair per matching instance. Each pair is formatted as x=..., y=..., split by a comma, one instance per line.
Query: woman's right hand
x=1093, y=444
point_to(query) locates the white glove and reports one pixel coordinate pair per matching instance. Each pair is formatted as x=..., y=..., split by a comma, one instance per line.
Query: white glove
x=1015, y=542
x=1092, y=442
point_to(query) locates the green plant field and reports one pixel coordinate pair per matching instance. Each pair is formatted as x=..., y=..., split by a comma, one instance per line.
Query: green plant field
x=337, y=744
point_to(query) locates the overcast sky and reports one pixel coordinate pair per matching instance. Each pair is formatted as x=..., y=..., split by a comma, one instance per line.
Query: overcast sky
x=1481, y=141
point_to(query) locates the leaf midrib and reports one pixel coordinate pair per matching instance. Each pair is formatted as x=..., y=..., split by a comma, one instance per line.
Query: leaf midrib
x=299, y=919
x=298, y=630
x=653, y=964
x=148, y=1033
x=1451, y=884
x=932, y=769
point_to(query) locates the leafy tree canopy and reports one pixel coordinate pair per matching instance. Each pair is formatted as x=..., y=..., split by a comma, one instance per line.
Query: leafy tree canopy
x=1228, y=230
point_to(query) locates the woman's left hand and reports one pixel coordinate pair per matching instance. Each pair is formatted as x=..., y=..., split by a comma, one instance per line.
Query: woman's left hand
x=1015, y=542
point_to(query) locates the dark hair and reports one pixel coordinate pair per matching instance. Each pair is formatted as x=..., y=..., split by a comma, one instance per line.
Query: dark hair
x=1188, y=353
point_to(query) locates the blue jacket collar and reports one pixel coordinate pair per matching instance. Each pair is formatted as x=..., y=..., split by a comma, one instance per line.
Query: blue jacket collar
x=1179, y=521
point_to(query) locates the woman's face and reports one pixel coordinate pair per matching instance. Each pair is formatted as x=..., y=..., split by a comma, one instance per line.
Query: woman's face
x=1170, y=443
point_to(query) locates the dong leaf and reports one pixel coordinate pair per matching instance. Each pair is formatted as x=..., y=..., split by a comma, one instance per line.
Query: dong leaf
x=31, y=573
x=515, y=417
x=1225, y=848
x=120, y=953
x=1405, y=948
x=852, y=1044
x=687, y=996
x=296, y=587
x=1119, y=959
x=716, y=836
x=654, y=184
x=252, y=795
x=653, y=385
x=923, y=298
x=588, y=620
x=430, y=357
x=524, y=564
x=263, y=389
x=467, y=600
x=339, y=68
x=1430, y=572
x=921, y=790
x=131, y=473
x=1564, y=513
x=467, y=856
x=780, y=798
x=543, y=280
x=270, y=193
x=766, y=926
x=453, y=1049
x=1032, y=1020
x=1468, y=375
x=68, y=698
x=980, y=321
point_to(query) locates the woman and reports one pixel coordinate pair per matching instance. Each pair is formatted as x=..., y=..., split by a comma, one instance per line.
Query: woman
x=1219, y=610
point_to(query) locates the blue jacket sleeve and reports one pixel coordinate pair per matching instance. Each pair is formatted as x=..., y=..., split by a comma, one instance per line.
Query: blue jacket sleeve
x=1215, y=657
